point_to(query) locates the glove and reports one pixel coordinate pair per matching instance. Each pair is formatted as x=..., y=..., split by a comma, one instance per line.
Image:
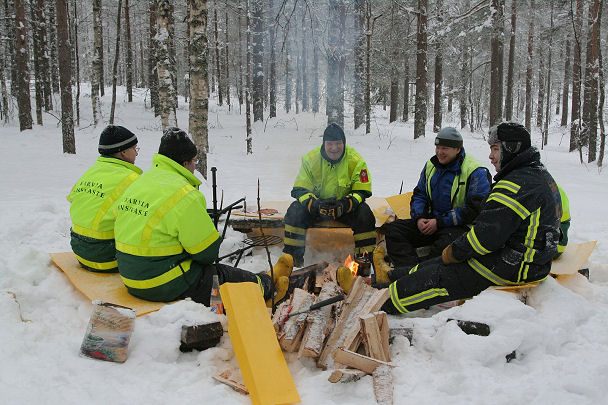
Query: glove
x=313, y=207
x=328, y=209
x=447, y=257
x=344, y=206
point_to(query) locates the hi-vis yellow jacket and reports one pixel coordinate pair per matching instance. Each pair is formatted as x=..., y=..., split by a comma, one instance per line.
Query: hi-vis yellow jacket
x=162, y=227
x=321, y=178
x=91, y=198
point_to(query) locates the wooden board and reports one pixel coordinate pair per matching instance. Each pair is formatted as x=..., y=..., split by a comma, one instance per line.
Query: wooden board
x=107, y=287
x=573, y=259
x=257, y=350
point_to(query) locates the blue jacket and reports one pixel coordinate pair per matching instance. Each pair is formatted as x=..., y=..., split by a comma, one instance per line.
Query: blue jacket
x=443, y=201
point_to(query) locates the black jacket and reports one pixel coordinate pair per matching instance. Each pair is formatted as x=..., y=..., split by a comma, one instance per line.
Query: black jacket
x=515, y=236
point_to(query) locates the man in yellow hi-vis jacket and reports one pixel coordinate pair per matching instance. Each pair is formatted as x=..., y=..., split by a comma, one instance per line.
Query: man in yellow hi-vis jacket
x=332, y=184
x=92, y=197
x=166, y=242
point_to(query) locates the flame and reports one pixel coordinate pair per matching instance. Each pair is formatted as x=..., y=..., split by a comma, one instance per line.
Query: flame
x=352, y=265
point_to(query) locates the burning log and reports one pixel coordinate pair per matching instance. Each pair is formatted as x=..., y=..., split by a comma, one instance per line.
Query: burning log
x=320, y=323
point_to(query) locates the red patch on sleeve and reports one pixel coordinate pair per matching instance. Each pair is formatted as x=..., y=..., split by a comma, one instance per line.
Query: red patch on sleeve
x=363, y=176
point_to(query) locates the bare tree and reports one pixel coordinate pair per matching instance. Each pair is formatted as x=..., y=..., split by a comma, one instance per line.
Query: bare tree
x=129, y=52
x=591, y=77
x=438, y=95
x=529, y=73
x=218, y=72
x=23, y=68
x=115, y=66
x=511, y=65
x=77, y=63
x=199, y=96
x=37, y=23
x=421, y=70
x=96, y=62
x=359, y=70
x=227, y=57
x=153, y=58
x=548, y=107
x=496, y=69
x=65, y=73
x=257, y=91
x=575, y=115
x=248, y=80
x=541, y=88
x=165, y=66
x=335, y=63
x=566, y=85
x=273, y=63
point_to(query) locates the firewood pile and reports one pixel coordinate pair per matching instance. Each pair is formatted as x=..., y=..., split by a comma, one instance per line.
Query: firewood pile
x=350, y=337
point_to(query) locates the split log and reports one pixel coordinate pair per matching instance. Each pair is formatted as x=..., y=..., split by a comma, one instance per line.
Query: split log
x=320, y=323
x=383, y=385
x=226, y=378
x=293, y=330
x=358, y=361
x=346, y=375
x=375, y=341
x=361, y=300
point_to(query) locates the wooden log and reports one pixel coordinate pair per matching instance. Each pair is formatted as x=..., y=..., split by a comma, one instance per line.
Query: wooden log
x=293, y=330
x=383, y=385
x=372, y=338
x=358, y=361
x=362, y=300
x=200, y=337
x=320, y=323
x=226, y=378
x=346, y=375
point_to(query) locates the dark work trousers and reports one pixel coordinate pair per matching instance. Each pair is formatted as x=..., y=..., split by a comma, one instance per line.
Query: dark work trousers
x=430, y=283
x=403, y=237
x=200, y=290
x=298, y=220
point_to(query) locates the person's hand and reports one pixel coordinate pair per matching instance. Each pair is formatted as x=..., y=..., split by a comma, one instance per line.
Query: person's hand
x=343, y=206
x=328, y=209
x=427, y=226
x=313, y=207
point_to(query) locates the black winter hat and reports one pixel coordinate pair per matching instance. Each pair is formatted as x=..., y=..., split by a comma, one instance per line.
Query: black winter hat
x=449, y=136
x=334, y=132
x=514, y=138
x=175, y=144
x=114, y=139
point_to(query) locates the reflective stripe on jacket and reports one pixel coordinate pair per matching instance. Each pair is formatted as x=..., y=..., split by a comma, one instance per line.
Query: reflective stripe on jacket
x=325, y=180
x=92, y=198
x=162, y=226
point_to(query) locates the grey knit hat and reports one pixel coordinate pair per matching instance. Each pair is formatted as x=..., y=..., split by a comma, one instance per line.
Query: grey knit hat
x=449, y=136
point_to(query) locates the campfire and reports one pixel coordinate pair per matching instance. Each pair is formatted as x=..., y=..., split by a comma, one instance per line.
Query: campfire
x=352, y=265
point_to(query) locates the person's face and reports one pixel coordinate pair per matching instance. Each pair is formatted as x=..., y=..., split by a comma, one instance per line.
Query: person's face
x=191, y=164
x=446, y=154
x=334, y=149
x=495, y=155
x=129, y=155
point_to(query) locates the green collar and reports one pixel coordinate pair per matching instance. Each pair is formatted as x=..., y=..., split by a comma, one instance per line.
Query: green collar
x=116, y=161
x=165, y=163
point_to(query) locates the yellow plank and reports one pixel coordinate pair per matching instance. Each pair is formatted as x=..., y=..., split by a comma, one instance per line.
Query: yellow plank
x=257, y=350
x=400, y=204
x=573, y=259
x=106, y=287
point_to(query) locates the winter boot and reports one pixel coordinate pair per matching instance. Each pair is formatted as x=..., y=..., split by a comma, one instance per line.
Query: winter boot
x=345, y=278
x=381, y=267
x=282, y=268
x=281, y=287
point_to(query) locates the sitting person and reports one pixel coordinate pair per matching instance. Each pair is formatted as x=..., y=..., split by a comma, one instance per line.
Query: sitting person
x=564, y=224
x=332, y=184
x=91, y=198
x=512, y=242
x=444, y=204
x=166, y=243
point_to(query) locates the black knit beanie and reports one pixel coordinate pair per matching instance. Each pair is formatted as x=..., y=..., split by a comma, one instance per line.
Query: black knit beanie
x=175, y=144
x=334, y=133
x=114, y=139
x=449, y=136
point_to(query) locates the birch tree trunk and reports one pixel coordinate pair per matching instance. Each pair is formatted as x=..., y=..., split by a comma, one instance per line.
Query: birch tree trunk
x=529, y=73
x=227, y=58
x=421, y=70
x=165, y=65
x=511, y=65
x=115, y=66
x=248, y=79
x=218, y=72
x=96, y=62
x=65, y=74
x=23, y=68
x=199, y=97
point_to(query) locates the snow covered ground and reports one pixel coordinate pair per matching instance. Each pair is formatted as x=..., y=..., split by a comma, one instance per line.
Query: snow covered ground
x=560, y=337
